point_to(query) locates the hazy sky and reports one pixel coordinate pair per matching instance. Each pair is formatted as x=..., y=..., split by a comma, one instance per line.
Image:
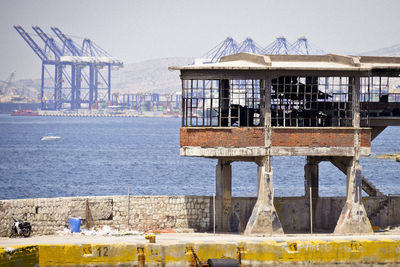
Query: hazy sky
x=138, y=30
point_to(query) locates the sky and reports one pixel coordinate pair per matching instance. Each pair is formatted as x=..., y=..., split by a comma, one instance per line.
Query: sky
x=135, y=30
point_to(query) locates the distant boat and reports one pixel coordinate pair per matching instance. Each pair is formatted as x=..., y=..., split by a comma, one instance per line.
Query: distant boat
x=50, y=137
x=24, y=112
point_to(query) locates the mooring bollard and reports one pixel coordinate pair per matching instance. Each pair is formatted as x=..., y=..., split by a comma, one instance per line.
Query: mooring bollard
x=151, y=238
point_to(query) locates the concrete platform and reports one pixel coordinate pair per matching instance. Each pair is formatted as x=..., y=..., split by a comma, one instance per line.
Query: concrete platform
x=182, y=249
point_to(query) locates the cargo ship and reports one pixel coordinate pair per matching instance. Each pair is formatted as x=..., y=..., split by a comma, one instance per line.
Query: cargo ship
x=24, y=112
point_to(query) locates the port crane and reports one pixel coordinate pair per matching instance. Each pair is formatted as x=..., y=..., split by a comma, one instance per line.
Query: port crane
x=7, y=83
x=280, y=46
x=72, y=75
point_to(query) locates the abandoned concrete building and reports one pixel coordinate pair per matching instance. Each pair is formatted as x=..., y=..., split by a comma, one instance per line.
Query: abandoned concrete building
x=251, y=107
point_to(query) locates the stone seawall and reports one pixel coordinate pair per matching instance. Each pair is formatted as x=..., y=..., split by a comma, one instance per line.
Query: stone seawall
x=48, y=215
x=143, y=213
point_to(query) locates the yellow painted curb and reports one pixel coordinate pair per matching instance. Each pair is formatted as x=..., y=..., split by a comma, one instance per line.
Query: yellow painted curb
x=71, y=254
x=19, y=256
x=362, y=251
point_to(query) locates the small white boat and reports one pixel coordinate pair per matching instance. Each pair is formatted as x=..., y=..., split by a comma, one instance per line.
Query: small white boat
x=50, y=138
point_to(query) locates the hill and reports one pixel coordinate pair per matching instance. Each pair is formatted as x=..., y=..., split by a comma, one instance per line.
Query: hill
x=392, y=51
x=149, y=76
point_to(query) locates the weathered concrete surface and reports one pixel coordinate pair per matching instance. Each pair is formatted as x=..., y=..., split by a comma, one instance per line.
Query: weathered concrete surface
x=194, y=212
x=367, y=186
x=353, y=218
x=223, y=207
x=180, y=250
x=264, y=219
x=311, y=175
x=217, y=152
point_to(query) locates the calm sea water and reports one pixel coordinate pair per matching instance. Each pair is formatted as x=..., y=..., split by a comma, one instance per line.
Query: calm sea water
x=105, y=156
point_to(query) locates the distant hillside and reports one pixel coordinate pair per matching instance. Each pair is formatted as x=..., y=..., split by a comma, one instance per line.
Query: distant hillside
x=393, y=51
x=149, y=76
x=27, y=90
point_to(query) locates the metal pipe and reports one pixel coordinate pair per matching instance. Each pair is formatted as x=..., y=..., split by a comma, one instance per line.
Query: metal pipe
x=311, y=215
x=214, y=212
x=129, y=206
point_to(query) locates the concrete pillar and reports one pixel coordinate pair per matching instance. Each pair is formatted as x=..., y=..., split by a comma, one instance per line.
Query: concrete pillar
x=311, y=175
x=353, y=218
x=264, y=219
x=223, y=196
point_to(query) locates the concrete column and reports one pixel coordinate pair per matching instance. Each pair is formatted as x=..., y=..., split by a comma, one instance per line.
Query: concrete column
x=223, y=196
x=264, y=219
x=353, y=218
x=311, y=175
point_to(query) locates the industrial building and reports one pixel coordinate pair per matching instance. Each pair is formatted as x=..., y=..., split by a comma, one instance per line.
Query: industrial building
x=250, y=107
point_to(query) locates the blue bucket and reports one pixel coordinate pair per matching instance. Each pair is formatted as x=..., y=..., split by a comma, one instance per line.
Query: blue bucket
x=75, y=225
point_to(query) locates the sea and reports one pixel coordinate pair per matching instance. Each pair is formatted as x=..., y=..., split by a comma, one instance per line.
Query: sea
x=98, y=156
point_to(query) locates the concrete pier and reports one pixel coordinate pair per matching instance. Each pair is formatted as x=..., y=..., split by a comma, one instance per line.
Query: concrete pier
x=264, y=219
x=223, y=207
x=311, y=175
x=353, y=218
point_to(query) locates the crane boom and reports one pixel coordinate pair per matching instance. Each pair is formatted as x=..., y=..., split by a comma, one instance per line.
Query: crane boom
x=67, y=42
x=36, y=48
x=48, y=41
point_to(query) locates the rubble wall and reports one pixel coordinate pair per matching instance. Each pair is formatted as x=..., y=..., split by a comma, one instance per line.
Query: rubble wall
x=143, y=213
x=48, y=215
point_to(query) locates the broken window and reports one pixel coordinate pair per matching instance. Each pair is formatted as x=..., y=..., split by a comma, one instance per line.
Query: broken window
x=298, y=101
x=224, y=103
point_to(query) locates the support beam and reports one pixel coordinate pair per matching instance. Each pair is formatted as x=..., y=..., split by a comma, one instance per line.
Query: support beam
x=376, y=131
x=91, y=84
x=42, y=95
x=311, y=175
x=223, y=195
x=366, y=185
x=264, y=219
x=353, y=218
x=73, y=87
x=58, y=86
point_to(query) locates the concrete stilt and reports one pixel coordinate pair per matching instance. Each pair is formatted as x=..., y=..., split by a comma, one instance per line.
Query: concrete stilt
x=311, y=175
x=264, y=219
x=223, y=195
x=353, y=218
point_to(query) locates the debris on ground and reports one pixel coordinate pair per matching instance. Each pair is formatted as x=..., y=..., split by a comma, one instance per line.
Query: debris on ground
x=102, y=230
x=161, y=231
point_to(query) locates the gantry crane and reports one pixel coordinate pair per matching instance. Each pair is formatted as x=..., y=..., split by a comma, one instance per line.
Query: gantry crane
x=77, y=70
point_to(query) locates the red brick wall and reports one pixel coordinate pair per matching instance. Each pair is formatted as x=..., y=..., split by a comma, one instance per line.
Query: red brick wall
x=366, y=138
x=254, y=136
x=318, y=137
x=222, y=137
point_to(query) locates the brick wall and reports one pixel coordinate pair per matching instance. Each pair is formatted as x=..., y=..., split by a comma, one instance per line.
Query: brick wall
x=222, y=137
x=287, y=137
x=318, y=137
